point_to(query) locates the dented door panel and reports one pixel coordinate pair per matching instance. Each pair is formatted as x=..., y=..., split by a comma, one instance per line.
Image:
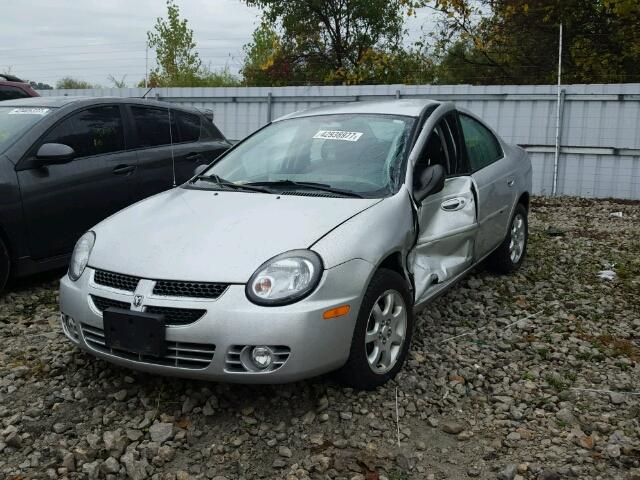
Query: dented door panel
x=445, y=247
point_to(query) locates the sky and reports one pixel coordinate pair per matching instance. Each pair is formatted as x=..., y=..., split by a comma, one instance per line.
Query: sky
x=44, y=40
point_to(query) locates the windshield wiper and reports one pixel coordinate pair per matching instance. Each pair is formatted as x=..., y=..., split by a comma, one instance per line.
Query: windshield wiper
x=213, y=178
x=311, y=185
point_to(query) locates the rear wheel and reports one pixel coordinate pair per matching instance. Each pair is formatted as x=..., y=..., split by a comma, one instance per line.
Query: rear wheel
x=5, y=265
x=509, y=255
x=382, y=335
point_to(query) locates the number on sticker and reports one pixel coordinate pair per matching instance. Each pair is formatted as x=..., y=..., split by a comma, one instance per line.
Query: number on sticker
x=338, y=135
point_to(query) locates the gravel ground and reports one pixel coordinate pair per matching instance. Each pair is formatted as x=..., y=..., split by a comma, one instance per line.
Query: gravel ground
x=500, y=400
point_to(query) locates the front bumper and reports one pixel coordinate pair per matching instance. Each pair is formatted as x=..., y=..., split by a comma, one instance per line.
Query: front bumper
x=307, y=345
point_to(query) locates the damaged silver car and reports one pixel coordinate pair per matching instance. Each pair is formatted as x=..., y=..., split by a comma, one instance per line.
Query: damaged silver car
x=307, y=248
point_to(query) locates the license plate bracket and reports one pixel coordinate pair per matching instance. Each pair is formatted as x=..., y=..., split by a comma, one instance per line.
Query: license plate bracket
x=135, y=332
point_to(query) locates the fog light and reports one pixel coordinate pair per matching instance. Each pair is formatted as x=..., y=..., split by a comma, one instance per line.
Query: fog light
x=69, y=326
x=262, y=357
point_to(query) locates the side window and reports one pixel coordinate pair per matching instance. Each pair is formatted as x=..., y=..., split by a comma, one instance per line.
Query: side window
x=483, y=147
x=210, y=131
x=152, y=126
x=437, y=151
x=189, y=125
x=94, y=131
x=9, y=93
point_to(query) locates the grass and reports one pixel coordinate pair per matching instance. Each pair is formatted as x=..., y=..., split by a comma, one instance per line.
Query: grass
x=556, y=382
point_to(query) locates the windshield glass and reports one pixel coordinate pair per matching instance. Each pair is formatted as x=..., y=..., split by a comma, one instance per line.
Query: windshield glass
x=354, y=153
x=14, y=121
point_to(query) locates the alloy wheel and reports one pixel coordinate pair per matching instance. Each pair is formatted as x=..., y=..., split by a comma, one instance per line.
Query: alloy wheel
x=518, y=233
x=386, y=331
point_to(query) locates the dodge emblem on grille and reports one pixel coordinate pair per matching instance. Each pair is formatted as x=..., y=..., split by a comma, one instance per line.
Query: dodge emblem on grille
x=137, y=300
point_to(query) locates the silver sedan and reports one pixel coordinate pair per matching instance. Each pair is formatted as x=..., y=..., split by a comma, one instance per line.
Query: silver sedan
x=307, y=248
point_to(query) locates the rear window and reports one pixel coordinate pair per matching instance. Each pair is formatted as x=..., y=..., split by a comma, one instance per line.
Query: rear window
x=190, y=126
x=16, y=121
x=152, y=126
x=8, y=92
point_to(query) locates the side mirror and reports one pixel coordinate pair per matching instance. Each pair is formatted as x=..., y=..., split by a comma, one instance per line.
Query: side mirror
x=431, y=181
x=54, y=153
x=199, y=169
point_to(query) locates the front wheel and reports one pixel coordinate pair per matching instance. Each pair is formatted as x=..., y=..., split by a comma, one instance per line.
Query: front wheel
x=382, y=335
x=509, y=255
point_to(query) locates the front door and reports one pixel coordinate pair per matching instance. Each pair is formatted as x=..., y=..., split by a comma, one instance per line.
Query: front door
x=447, y=220
x=61, y=202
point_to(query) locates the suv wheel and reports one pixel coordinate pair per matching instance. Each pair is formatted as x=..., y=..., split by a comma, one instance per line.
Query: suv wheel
x=382, y=335
x=509, y=255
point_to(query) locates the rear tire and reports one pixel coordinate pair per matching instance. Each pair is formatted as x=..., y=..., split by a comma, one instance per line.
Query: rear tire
x=382, y=335
x=5, y=265
x=509, y=255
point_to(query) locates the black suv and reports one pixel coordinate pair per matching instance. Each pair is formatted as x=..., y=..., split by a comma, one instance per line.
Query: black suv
x=67, y=163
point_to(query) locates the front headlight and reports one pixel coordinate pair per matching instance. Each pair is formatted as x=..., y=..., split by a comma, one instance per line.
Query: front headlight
x=286, y=278
x=80, y=256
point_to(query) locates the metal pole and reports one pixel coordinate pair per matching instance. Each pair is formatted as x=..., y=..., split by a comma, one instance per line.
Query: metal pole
x=269, y=99
x=556, y=159
x=146, y=66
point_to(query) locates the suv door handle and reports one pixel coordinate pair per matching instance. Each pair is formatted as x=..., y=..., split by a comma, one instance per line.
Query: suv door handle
x=453, y=204
x=123, y=169
x=193, y=157
x=511, y=181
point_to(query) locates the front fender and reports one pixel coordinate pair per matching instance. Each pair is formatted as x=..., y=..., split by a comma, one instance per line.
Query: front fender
x=372, y=235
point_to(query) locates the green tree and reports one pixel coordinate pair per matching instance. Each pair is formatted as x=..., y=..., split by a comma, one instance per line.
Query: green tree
x=326, y=41
x=178, y=62
x=70, y=83
x=516, y=41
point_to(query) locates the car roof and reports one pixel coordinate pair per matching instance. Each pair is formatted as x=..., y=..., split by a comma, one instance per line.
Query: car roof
x=406, y=107
x=61, y=101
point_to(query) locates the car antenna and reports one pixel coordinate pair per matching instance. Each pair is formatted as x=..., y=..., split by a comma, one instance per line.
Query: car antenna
x=173, y=160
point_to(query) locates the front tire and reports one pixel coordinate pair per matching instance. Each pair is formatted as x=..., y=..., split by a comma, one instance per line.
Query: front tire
x=509, y=255
x=382, y=335
x=5, y=265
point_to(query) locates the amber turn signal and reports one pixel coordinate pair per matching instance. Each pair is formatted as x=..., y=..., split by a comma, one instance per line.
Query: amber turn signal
x=336, y=312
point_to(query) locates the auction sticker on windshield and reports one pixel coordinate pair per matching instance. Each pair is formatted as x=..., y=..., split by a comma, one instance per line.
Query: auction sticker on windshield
x=29, y=111
x=338, y=135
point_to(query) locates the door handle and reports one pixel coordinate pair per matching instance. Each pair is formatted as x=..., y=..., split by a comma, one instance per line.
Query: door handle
x=511, y=181
x=123, y=169
x=193, y=157
x=453, y=204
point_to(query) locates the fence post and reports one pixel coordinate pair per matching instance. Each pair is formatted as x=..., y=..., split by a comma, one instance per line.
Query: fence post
x=269, y=99
x=556, y=158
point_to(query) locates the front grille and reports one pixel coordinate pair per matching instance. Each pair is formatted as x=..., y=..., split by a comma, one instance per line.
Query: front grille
x=170, y=288
x=179, y=354
x=103, y=303
x=238, y=359
x=116, y=280
x=172, y=316
x=177, y=316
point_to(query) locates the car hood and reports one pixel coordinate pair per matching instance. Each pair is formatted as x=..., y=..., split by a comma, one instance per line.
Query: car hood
x=214, y=236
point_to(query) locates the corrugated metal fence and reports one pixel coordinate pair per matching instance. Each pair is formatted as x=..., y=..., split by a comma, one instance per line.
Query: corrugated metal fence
x=600, y=128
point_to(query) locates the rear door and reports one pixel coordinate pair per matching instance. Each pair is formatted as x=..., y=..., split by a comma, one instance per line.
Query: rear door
x=169, y=141
x=494, y=177
x=61, y=202
x=447, y=220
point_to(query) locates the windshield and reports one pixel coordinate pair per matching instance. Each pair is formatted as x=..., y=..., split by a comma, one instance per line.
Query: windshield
x=14, y=121
x=360, y=154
